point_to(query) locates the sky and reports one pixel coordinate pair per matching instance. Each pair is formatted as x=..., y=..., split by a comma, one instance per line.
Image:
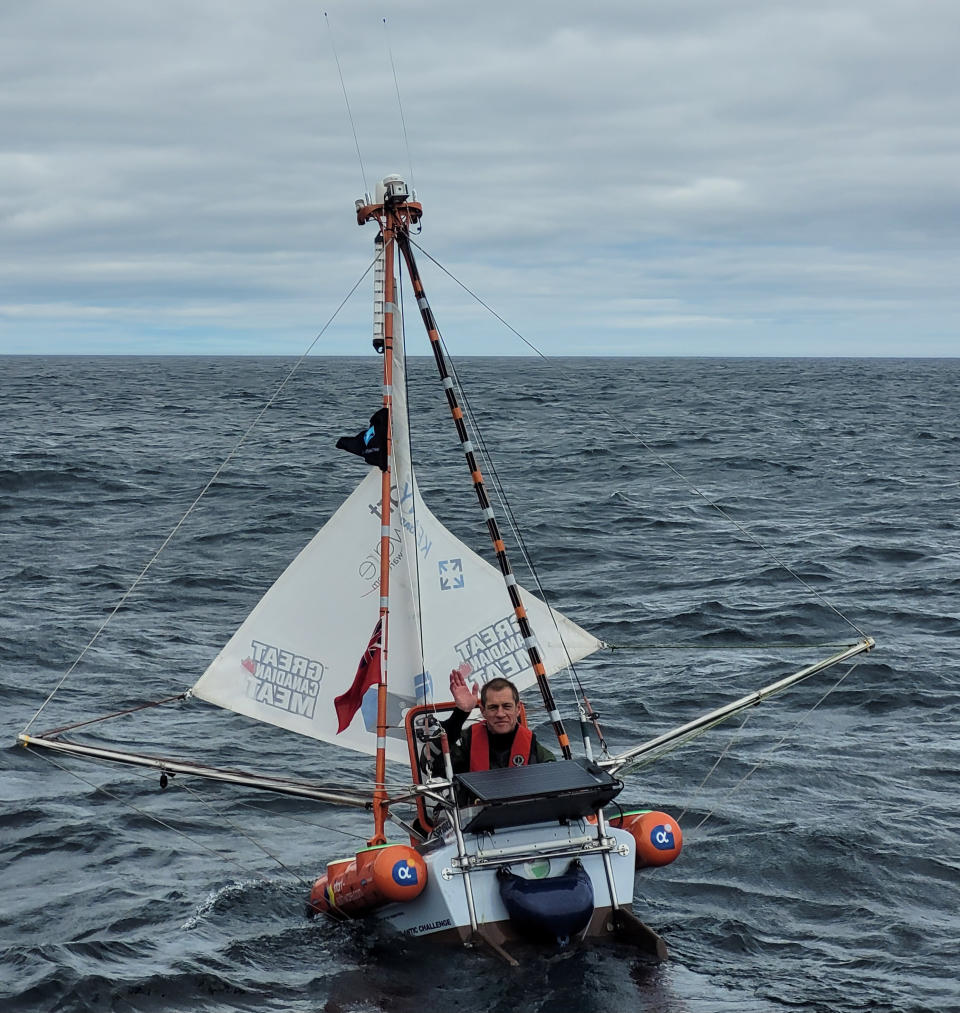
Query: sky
x=705, y=177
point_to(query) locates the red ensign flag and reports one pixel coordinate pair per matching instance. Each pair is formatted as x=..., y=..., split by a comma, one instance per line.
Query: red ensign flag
x=368, y=674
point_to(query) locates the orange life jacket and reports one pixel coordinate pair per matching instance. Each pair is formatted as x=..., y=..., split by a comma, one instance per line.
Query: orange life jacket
x=480, y=747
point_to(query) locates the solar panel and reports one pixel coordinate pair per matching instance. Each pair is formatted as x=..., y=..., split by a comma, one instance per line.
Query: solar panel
x=538, y=793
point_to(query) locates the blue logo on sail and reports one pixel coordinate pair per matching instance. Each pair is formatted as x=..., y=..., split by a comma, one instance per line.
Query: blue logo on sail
x=451, y=574
x=423, y=687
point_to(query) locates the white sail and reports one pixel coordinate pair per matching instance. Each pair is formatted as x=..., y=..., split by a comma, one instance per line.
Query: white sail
x=301, y=645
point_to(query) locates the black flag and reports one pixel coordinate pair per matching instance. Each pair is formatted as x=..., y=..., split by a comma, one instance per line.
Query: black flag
x=371, y=444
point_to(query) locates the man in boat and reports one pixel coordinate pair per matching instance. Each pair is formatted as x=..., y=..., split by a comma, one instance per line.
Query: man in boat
x=499, y=740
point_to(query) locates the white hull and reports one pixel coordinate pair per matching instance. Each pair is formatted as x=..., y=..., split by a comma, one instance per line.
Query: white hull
x=536, y=852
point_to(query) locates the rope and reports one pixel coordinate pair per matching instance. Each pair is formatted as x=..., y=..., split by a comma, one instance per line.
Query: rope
x=508, y=511
x=470, y=419
x=659, y=457
x=115, y=714
x=202, y=493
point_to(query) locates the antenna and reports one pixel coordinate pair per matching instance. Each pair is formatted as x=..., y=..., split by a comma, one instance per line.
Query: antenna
x=403, y=122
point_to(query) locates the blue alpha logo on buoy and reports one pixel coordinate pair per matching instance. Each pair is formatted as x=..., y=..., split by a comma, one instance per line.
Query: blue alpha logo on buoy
x=661, y=837
x=404, y=873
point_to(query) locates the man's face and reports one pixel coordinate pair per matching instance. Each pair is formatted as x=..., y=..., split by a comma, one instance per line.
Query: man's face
x=500, y=712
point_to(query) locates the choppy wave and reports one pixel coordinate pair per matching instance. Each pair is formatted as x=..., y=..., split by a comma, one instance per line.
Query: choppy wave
x=821, y=871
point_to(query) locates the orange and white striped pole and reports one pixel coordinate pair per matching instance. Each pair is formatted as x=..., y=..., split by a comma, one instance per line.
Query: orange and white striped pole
x=529, y=640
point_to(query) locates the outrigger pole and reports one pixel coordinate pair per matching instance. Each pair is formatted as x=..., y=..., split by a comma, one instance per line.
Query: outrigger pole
x=616, y=764
x=280, y=785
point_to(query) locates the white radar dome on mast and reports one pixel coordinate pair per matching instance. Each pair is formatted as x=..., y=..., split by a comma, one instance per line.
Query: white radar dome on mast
x=392, y=187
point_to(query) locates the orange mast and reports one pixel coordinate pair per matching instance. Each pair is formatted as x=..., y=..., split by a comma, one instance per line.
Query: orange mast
x=394, y=216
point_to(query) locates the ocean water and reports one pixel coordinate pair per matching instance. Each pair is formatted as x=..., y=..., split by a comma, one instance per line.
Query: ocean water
x=821, y=868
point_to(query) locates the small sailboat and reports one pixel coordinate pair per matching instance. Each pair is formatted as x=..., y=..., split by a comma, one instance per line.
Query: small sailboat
x=348, y=647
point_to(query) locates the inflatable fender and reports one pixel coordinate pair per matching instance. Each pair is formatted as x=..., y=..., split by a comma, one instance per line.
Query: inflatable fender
x=658, y=836
x=376, y=876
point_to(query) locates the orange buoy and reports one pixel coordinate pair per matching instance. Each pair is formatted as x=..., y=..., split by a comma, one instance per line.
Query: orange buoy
x=391, y=872
x=658, y=836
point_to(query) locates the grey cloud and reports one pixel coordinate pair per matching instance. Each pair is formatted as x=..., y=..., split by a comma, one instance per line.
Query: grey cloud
x=735, y=167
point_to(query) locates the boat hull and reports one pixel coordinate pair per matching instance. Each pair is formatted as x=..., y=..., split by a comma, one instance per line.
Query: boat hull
x=441, y=913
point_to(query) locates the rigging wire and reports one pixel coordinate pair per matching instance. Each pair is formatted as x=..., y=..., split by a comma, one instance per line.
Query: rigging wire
x=115, y=714
x=213, y=478
x=343, y=86
x=576, y=686
x=508, y=512
x=733, y=740
x=403, y=122
x=142, y=812
x=638, y=763
x=659, y=457
x=510, y=515
x=218, y=812
x=470, y=421
x=299, y=819
x=766, y=756
x=243, y=833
